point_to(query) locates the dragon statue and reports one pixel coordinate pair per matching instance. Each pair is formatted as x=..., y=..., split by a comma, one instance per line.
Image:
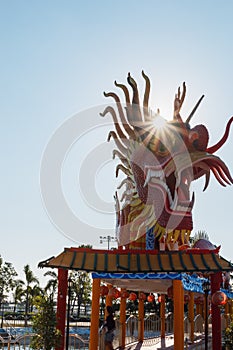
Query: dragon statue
x=160, y=159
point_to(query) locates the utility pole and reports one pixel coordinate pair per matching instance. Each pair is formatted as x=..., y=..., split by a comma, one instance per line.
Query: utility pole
x=107, y=239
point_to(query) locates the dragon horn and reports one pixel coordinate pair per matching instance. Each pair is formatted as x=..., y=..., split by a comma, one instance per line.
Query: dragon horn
x=194, y=109
x=219, y=144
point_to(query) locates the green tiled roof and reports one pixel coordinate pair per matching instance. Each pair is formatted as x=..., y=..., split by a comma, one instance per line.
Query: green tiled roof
x=134, y=261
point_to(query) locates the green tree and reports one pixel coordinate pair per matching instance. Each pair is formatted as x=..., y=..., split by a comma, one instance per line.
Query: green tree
x=34, y=291
x=228, y=336
x=85, y=246
x=7, y=280
x=51, y=286
x=30, y=279
x=80, y=290
x=44, y=325
x=18, y=293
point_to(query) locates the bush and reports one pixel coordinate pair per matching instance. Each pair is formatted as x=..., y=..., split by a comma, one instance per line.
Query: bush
x=228, y=336
x=44, y=325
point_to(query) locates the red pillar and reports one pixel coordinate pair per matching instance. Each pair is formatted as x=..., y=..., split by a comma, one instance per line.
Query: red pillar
x=216, y=280
x=178, y=297
x=95, y=308
x=191, y=316
x=141, y=320
x=61, y=304
x=122, y=320
x=162, y=316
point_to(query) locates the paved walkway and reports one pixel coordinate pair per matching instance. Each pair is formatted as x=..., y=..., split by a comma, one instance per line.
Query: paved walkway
x=153, y=343
x=167, y=343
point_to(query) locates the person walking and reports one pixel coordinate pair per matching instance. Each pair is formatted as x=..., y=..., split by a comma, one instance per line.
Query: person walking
x=110, y=326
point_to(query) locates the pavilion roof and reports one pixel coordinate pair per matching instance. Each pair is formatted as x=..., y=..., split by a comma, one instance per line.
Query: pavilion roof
x=136, y=261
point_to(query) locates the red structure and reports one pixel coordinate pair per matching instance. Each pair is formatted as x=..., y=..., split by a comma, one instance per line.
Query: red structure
x=216, y=280
x=160, y=159
x=61, y=303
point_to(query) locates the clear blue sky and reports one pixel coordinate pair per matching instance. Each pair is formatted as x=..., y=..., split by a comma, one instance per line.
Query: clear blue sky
x=57, y=57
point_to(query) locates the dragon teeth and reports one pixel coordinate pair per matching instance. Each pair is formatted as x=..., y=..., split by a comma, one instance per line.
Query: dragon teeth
x=182, y=208
x=157, y=176
x=151, y=173
x=174, y=202
x=148, y=176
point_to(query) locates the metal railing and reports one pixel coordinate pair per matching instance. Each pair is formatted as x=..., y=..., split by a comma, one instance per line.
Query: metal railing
x=152, y=328
x=21, y=342
x=77, y=342
x=152, y=325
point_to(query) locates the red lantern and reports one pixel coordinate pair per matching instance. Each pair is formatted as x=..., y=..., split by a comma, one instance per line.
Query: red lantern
x=151, y=298
x=186, y=298
x=199, y=300
x=170, y=292
x=124, y=294
x=142, y=296
x=103, y=290
x=114, y=292
x=219, y=298
x=132, y=296
x=117, y=294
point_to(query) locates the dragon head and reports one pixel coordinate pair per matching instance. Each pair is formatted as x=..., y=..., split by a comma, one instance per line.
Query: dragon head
x=160, y=159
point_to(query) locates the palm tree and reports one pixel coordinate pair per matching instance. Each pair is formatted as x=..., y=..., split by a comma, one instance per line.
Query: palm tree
x=18, y=293
x=35, y=291
x=52, y=283
x=30, y=279
x=81, y=289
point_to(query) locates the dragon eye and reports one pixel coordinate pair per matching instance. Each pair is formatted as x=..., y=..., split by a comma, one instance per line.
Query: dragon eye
x=161, y=147
x=157, y=147
x=162, y=150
